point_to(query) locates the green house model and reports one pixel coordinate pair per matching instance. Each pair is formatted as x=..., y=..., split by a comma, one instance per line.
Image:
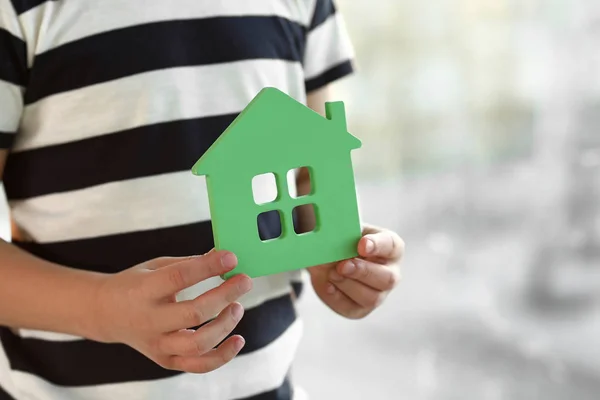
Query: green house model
x=276, y=134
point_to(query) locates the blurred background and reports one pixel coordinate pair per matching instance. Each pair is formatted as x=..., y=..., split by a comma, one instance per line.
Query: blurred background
x=480, y=124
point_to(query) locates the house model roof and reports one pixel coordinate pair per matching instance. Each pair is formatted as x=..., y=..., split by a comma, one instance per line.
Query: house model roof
x=275, y=122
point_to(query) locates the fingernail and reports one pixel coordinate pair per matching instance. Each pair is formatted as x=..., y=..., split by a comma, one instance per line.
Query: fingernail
x=245, y=285
x=330, y=289
x=237, y=311
x=239, y=344
x=334, y=276
x=348, y=268
x=229, y=261
x=369, y=246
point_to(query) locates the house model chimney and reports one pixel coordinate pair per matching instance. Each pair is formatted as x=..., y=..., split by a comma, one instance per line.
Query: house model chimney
x=335, y=111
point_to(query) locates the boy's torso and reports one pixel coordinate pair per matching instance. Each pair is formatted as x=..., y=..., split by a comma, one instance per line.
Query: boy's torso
x=123, y=97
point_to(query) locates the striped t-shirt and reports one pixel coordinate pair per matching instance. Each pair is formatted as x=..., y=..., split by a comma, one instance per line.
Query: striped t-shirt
x=105, y=106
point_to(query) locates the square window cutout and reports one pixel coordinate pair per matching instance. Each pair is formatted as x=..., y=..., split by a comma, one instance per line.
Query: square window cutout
x=305, y=208
x=291, y=180
x=269, y=225
x=264, y=188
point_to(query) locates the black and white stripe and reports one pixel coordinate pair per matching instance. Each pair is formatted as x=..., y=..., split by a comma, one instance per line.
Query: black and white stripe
x=6, y=139
x=22, y=6
x=65, y=362
x=209, y=90
x=13, y=72
x=169, y=153
x=124, y=52
x=105, y=108
x=83, y=369
x=4, y=395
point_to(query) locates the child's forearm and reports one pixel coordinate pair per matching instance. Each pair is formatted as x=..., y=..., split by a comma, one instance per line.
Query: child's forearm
x=136, y=307
x=35, y=294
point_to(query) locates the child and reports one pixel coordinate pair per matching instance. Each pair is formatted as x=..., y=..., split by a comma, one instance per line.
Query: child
x=104, y=107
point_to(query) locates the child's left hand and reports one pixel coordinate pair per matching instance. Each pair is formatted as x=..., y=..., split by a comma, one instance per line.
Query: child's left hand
x=354, y=288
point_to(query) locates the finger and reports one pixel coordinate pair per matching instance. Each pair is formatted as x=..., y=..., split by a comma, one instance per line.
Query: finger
x=385, y=244
x=377, y=276
x=171, y=279
x=361, y=294
x=344, y=305
x=195, y=343
x=190, y=313
x=210, y=361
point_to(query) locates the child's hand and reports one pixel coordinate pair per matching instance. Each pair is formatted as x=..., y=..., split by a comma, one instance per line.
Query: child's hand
x=138, y=307
x=354, y=288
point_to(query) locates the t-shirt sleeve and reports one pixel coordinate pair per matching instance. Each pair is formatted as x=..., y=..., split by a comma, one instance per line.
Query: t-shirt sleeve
x=13, y=74
x=329, y=52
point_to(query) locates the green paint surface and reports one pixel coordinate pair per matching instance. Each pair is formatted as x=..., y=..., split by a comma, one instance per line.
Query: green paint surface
x=276, y=134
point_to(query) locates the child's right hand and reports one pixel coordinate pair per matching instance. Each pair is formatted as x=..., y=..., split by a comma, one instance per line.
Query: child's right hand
x=138, y=307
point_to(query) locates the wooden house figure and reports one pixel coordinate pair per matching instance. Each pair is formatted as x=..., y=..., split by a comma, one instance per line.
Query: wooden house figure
x=276, y=134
